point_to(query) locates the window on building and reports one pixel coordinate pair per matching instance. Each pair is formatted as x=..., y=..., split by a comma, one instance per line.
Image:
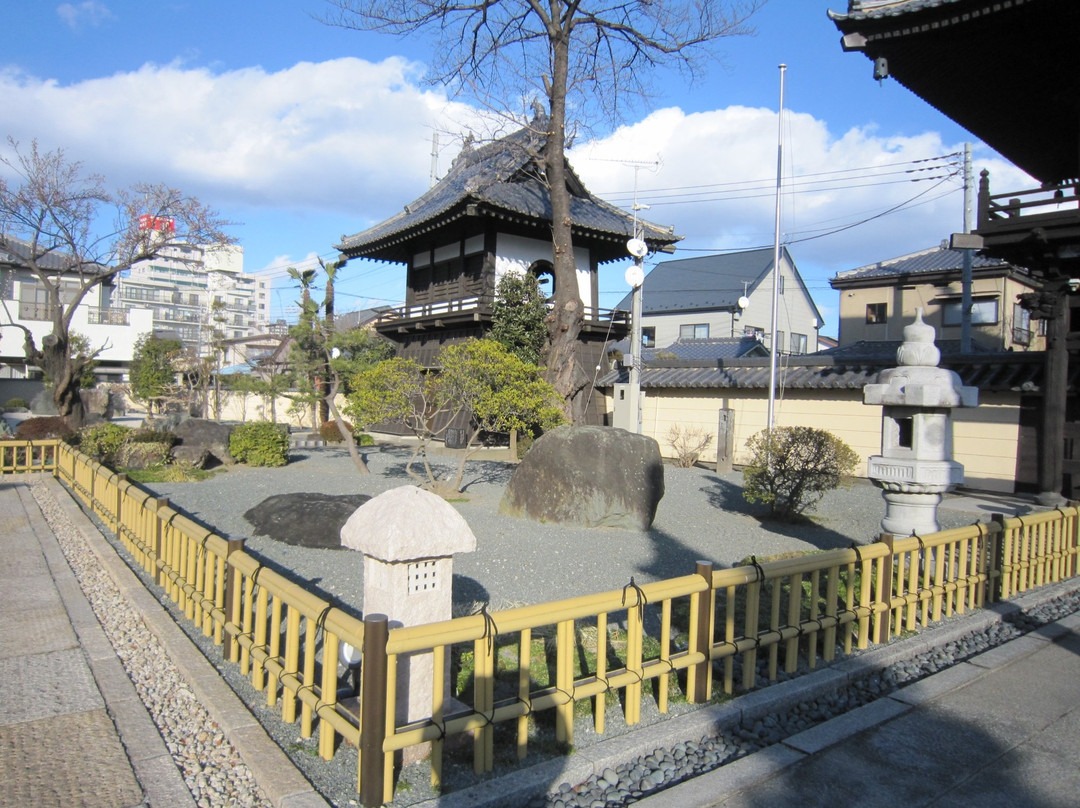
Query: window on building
x=780, y=284
x=694, y=331
x=876, y=313
x=780, y=341
x=753, y=331
x=984, y=311
x=648, y=337
x=1021, y=325
x=798, y=343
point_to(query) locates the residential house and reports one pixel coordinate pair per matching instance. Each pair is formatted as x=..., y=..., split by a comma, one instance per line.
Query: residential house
x=25, y=304
x=878, y=300
x=491, y=215
x=727, y=295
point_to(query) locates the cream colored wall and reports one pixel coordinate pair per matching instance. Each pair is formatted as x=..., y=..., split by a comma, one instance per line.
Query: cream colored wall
x=985, y=438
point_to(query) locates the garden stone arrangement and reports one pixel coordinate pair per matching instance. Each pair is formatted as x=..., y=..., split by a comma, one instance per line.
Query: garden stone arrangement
x=702, y=515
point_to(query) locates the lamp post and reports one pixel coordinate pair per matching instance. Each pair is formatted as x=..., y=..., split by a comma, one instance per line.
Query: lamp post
x=635, y=277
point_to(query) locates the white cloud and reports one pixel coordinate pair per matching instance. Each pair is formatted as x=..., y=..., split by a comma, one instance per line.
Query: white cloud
x=341, y=134
x=717, y=185
x=89, y=13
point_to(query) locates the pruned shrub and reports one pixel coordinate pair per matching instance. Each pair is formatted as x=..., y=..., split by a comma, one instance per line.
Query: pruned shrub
x=364, y=439
x=44, y=427
x=147, y=435
x=260, y=443
x=330, y=432
x=103, y=441
x=17, y=404
x=143, y=455
x=688, y=444
x=791, y=468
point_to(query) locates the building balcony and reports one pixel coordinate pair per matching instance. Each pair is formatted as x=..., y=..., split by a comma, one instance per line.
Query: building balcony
x=1040, y=224
x=96, y=315
x=466, y=311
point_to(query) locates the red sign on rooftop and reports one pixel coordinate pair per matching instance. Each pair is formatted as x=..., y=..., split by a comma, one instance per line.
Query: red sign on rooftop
x=150, y=222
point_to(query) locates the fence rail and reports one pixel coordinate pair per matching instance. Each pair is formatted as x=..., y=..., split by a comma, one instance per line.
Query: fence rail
x=502, y=668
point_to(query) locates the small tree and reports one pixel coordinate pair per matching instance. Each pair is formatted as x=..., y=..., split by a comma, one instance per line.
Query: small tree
x=517, y=316
x=153, y=369
x=71, y=246
x=498, y=390
x=791, y=468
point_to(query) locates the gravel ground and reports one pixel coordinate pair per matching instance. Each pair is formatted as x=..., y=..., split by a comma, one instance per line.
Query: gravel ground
x=701, y=516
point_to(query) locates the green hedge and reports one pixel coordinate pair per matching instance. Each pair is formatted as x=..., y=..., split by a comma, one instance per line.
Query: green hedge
x=260, y=443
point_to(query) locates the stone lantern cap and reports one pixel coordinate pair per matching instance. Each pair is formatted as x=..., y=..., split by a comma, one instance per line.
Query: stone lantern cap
x=406, y=524
x=919, y=382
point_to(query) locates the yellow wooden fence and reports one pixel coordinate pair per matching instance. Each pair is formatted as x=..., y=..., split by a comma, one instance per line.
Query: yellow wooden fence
x=505, y=667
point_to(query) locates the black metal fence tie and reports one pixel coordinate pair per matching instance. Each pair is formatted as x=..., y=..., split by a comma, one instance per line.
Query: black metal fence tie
x=641, y=599
x=759, y=571
x=491, y=629
x=858, y=552
x=528, y=705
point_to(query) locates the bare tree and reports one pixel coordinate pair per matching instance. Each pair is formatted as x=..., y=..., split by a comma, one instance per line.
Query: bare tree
x=59, y=215
x=578, y=55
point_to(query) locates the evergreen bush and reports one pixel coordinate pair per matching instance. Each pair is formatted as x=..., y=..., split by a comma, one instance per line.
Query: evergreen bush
x=16, y=404
x=791, y=468
x=260, y=443
x=103, y=441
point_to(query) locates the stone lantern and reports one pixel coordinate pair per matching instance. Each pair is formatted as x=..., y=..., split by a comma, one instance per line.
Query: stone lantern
x=915, y=466
x=409, y=538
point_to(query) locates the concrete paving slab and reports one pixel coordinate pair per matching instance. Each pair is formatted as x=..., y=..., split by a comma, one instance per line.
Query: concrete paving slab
x=36, y=631
x=46, y=685
x=37, y=768
x=843, y=727
x=1023, y=776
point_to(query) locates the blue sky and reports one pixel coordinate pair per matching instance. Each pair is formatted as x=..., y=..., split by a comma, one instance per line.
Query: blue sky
x=303, y=133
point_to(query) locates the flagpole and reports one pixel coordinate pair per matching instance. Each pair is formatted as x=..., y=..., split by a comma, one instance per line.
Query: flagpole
x=771, y=416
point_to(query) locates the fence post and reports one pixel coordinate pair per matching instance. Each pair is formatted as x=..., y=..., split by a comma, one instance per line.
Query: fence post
x=234, y=593
x=698, y=677
x=158, y=539
x=120, y=480
x=888, y=588
x=995, y=572
x=373, y=710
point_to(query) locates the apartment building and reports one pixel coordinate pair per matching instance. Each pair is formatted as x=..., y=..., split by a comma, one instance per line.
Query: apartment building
x=200, y=295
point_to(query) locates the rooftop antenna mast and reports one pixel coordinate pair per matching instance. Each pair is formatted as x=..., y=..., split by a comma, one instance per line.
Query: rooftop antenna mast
x=771, y=417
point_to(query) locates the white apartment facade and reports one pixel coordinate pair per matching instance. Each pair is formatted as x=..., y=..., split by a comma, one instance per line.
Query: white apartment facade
x=200, y=295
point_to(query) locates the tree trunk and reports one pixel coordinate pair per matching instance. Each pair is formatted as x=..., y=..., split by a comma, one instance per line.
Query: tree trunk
x=567, y=315
x=63, y=372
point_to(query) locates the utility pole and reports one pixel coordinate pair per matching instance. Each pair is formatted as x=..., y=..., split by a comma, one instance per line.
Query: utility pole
x=771, y=415
x=966, y=273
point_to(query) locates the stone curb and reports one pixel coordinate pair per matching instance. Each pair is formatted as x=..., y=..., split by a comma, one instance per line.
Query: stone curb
x=157, y=773
x=272, y=769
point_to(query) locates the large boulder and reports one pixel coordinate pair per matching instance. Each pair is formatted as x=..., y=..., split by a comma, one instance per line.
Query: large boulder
x=307, y=520
x=593, y=476
x=97, y=404
x=140, y=455
x=200, y=433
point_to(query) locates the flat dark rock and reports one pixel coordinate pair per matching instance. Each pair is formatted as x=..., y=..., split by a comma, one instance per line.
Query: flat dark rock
x=306, y=520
